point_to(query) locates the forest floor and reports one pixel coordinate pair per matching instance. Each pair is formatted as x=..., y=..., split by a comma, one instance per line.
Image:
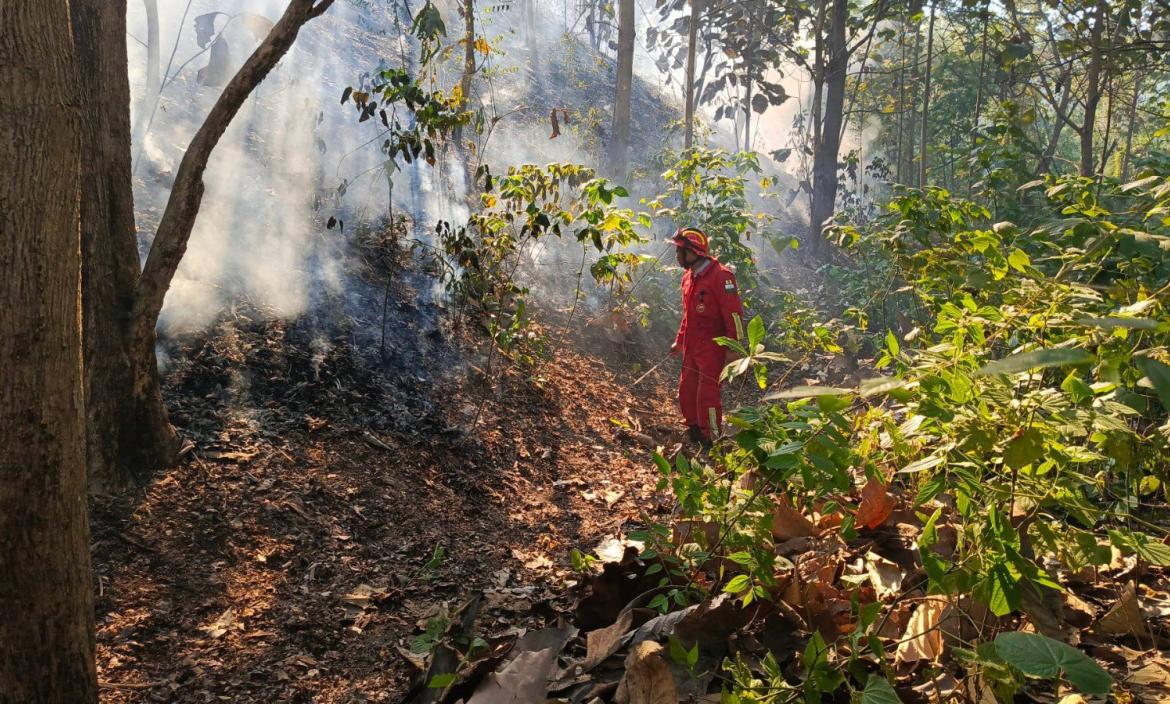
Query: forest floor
x=323, y=515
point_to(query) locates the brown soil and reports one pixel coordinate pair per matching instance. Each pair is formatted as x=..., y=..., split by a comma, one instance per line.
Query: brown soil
x=286, y=558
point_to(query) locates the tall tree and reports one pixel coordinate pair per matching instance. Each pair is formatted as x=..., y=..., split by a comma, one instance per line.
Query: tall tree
x=130, y=433
x=128, y=430
x=1093, y=87
x=827, y=129
x=620, y=147
x=46, y=608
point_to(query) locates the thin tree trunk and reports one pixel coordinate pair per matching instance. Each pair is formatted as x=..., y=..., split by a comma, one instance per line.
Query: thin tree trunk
x=1137, y=88
x=747, y=115
x=531, y=36
x=1093, y=90
x=982, y=74
x=826, y=153
x=1106, y=146
x=922, y=162
x=901, y=103
x=620, y=149
x=689, y=108
x=174, y=229
x=468, y=50
x=150, y=91
x=46, y=601
x=911, y=113
x=1060, y=113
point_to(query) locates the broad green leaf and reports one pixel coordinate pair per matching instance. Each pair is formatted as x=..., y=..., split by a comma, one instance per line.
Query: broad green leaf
x=1001, y=591
x=1154, y=552
x=1019, y=260
x=879, y=385
x=1078, y=391
x=441, y=680
x=1110, y=323
x=1041, y=656
x=755, y=332
x=1159, y=375
x=737, y=584
x=922, y=464
x=892, y=343
x=1024, y=449
x=1036, y=359
x=878, y=691
x=807, y=392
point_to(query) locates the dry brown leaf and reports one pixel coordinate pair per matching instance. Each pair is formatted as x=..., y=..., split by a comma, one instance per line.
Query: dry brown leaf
x=1125, y=618
x=923, y=638
x=532, y=560
x=223, y=624
x=876, y=505
x=885, y=575
x=788, y=523
x=556, y=127
x=603, y=642
x=1151, y=682
x=648, y=679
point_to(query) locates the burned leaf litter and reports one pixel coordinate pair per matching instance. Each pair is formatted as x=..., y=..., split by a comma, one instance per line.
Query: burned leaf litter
x=326, y=518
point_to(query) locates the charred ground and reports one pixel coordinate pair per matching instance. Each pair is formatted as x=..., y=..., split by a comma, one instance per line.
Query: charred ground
x=336, y=494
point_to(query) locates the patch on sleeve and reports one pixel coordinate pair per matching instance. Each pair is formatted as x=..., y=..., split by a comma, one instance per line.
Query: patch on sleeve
x=729, y=285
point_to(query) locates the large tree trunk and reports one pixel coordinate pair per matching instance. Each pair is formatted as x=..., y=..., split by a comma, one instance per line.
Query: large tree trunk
x=689, y=108
x=174, y=229
x=828, y=148
x=1092, y=90
x=46, y=603
x=129, y=435
x=620, y=147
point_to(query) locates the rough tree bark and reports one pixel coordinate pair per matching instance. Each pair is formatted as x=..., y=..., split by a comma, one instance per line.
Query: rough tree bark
x=128, y=433
x=174, y=229
x=689, y=108
x=46, y=607
x=828, y=147
x=620, y=146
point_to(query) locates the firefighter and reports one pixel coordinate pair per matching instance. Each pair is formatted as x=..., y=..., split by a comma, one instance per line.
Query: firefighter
x=711, y=309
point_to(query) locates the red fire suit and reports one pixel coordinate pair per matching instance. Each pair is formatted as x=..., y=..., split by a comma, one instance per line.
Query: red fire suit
x=710, y=307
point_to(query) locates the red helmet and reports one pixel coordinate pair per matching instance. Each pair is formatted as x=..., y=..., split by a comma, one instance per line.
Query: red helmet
x=693, y=239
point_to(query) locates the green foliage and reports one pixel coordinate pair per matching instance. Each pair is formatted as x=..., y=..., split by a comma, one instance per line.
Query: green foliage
x=1024, y=408
x=519, y=209
x=1040, y=656
x=708, y=189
